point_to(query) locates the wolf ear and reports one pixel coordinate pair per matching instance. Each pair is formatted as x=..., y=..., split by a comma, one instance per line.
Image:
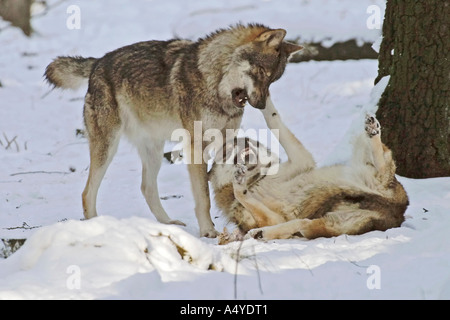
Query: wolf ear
x=291, y=48
x=272, y=38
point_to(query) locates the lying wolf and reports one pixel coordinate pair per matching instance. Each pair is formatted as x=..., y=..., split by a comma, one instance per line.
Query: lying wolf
x=147, y=90
x=302, y=200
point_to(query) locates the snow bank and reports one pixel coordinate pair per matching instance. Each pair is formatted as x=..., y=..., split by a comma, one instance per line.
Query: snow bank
x=76, y=259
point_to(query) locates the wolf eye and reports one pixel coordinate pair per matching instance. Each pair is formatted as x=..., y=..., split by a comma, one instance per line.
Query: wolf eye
x=264, y=73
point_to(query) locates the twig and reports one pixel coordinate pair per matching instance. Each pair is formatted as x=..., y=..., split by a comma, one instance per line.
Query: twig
x=9, y=142
x=302, y=261
x=39, y=172
x=238, y=254
x=257, y=272
x=16, y=181
x=65, y=146
x=355, y=264
x=47, y=93
x=24, y=226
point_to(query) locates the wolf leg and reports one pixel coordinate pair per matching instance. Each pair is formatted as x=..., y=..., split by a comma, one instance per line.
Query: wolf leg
x=373, y=130
x=151, y=155
x=263, y=215
x=280, y=231
x=200, y=189
x=331, y=225
x=298, y=157
x=349, y=222
x=102, y=151
x=103, y=126
x=381, y=156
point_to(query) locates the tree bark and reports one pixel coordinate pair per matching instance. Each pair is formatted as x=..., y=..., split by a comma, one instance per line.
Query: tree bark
x=414, y=108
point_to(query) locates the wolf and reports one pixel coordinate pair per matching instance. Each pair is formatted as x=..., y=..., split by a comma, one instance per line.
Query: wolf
x=146, y=90
x=302, y=199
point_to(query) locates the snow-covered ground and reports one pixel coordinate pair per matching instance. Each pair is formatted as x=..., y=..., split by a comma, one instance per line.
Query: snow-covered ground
x=124, y=253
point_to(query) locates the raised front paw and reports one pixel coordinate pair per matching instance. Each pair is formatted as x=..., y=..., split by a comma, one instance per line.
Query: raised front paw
x=240, y=173
x=372, y=126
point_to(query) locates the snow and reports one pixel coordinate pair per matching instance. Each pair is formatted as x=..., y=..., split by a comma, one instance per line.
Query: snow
x=125, y=253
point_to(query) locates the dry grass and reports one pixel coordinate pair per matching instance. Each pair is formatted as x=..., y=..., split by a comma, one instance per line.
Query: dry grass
x=11, y=143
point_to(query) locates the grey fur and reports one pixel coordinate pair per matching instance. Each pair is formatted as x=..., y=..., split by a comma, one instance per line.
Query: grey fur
x=148, y=89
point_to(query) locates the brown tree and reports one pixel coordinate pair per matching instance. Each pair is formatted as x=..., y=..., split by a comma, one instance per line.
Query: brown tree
x=18, y=13
x=414, y=108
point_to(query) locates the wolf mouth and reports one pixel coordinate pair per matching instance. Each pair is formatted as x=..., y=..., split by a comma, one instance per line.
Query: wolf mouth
x=239, y=97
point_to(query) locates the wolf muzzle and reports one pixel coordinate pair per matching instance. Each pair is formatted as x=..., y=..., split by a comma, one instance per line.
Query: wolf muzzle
x=240, y=98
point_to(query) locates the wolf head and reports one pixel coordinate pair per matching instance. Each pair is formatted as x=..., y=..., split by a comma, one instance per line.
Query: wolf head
x=255, y=64
x=242, y=62
x=258, y=159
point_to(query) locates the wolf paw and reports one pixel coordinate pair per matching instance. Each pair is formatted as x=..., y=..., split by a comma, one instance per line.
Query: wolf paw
x=225, y=237
x=209, y=233
x=240, y=173
x=372, y=126
x=257, y=233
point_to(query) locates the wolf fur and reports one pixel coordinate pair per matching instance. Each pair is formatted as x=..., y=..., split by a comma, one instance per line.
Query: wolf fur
x=303, y=200
x=147, y=90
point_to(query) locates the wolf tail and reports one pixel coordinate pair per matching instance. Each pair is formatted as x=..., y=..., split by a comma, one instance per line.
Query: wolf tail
x=69, y=72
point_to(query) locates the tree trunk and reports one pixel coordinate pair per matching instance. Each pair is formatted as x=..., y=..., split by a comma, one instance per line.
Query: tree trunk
x=18, y=13
x=414, y=108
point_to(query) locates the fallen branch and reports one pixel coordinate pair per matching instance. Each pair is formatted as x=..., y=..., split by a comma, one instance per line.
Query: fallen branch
x=24, y=226
x=238, y=255
x=39, y=172
x=338, y=51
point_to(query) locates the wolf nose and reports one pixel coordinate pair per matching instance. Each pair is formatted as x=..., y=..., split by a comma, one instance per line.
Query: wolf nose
x=260, y=105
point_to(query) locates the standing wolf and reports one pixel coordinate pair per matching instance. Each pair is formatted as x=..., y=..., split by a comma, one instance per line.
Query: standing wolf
x=302, y=200
x=147, y=90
